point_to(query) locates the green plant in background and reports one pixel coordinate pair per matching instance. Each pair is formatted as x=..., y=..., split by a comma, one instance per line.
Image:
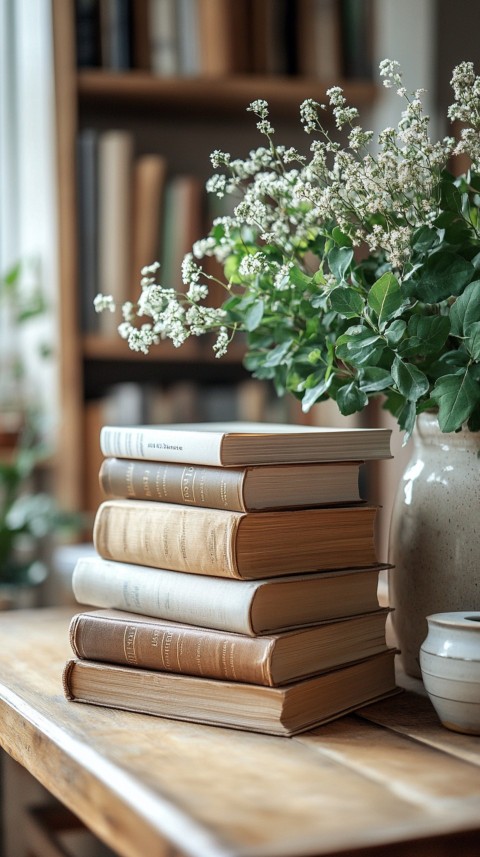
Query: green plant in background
x=27, y=516
x=354, y=271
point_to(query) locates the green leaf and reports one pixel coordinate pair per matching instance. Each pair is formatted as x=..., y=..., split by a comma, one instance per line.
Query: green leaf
x=351, y=399
x=454, y=227
x=466, y=309
x=406, y=420
x=254, y=315
x=339, y=260
x=450, y=197
x=423, y=239
x=346, y=302
x=297, y=278
x=394, y=332
x=314, y=393
x=444, y=274
x=341, y=238
x=385, y=298
x=410, y=381
x=359, y=346
x=277, y=355
x=373, y=379
x=427, y=334
x=472, y=342
x=456, y=396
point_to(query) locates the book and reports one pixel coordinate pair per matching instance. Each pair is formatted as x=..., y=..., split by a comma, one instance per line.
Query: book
x=236, y=443
x=115, y=157
x=252, y=607
x=87, y=227
x=149, y=177
x=188, y=37
x=245, y=545
x=356, y=37
x=87, y=33
x=287, y=710
x=319, y=39
x=140, y=641
x=182, y=224
x=163, y=28
x=223, y=37
x=115, y=34
x=240, y=489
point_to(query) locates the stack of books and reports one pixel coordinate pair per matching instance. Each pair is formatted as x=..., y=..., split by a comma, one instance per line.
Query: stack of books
x=236, y=577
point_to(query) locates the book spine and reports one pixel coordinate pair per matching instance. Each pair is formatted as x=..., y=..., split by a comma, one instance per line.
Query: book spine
x=172, y=648
x=162, y=445
x=115, y=156
x=199, y=541
x=190, y=484
x=191, y=599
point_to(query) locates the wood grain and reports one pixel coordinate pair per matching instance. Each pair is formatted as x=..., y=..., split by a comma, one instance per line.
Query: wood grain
x=145, y=785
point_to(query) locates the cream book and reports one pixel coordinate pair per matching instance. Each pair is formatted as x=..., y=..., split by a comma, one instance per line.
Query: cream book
x=285, y=710
x=239, y=443
x=243, y=606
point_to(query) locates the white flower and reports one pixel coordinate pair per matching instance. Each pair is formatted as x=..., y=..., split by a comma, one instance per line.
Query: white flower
x=104, y=302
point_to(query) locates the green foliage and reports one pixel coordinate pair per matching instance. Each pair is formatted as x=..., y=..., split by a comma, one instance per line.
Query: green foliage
x=353, y=272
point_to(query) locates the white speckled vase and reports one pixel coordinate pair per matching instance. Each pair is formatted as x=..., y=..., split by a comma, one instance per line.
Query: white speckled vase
x=435, y=534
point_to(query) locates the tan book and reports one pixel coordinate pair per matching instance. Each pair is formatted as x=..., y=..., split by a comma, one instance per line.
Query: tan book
x=115, y=159
x=240, y=489
x=141, y=641
x=251, y=607
x=232, y=444
x=286, y=710
x=149, y=177
x=248, y=545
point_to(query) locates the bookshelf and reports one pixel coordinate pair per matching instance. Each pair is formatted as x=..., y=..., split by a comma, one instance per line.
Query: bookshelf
x=183, y=118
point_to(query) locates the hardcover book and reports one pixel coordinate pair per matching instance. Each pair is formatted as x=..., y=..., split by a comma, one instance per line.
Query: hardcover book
x=238, y=443
x=295, y=707
x=243, y=606
x=246, y=545
x=238, y=489
x=141, y=641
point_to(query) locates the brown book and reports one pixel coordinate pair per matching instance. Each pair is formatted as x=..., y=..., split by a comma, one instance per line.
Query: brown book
x=240, y=489
x=182, y=225
x=251, y=607
x=248, y=545
x=140, y=14
x=223, y=30
x=149, y=176
x=231, y=444
x=141, y=641
x=286, y=710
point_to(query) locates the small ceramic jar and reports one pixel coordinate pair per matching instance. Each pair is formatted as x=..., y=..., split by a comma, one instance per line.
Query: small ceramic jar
x=450, y=664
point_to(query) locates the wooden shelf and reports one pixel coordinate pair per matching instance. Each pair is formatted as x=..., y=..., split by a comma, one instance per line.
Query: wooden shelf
x=99, y=348
x=211, y=95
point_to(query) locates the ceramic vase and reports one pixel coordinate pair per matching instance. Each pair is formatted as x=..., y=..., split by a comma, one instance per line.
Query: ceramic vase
x=450, y=662
x=435, y=535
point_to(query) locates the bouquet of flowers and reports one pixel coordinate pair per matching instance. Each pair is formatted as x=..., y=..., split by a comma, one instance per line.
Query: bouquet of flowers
x=353, y=271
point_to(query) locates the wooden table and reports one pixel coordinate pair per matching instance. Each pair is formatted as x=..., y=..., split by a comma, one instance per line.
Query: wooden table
x=387, y=781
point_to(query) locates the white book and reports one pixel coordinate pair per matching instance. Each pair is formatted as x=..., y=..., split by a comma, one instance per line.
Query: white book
x=243, y=606
x=236, y=443
x=164, y=56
